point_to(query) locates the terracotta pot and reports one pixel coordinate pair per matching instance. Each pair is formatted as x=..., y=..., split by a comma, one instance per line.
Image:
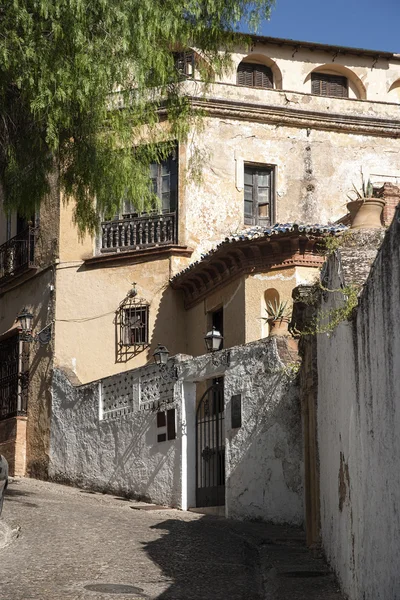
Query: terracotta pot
x=278, y=327
x=366, y=214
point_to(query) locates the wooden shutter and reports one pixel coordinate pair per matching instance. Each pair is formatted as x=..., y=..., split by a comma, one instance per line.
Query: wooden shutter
x=254, y=75
x=263, y=76
x=324, y=84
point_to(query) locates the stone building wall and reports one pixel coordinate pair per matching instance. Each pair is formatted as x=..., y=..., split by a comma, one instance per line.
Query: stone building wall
x=358, y=426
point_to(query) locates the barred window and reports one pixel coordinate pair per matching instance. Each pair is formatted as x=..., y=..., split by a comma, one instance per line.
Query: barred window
x=132, y=324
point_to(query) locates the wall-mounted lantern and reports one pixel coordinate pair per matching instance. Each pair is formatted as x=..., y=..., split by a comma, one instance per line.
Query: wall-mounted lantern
x=161, y=355
x=25, y=321
x=213, y=340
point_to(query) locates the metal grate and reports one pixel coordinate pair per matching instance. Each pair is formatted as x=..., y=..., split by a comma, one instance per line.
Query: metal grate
x=14, y=377
x=18, y=254
x=132, y=326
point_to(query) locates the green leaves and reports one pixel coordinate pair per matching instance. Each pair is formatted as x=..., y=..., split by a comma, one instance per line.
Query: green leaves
x=61, y=61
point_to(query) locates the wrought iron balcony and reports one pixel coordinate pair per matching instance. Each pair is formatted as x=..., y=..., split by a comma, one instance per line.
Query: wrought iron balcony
x=137, y=232
x=18, y=254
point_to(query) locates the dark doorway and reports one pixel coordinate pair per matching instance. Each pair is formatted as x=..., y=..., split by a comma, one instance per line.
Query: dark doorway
x=210, y=447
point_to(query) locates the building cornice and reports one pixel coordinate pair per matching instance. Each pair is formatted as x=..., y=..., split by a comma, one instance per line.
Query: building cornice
x=294, y=117
x=139, y=255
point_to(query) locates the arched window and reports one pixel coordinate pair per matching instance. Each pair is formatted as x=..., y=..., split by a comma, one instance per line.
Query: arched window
x=327, y=84
x=254, y=75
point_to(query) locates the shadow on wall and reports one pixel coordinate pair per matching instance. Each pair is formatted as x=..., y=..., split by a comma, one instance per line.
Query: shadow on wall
x=170, y=324
x=264, y=470
x=202, y=559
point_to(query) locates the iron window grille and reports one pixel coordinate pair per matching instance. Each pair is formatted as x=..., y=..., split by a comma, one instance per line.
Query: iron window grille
x=259, y=203
x=14, y=377
x=132, y=324
x=166, y=419
x=254, y=75
x=324, y=84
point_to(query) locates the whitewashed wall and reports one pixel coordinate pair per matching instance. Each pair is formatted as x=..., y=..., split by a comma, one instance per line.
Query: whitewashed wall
x=119, y=454
x=103, y=436
x=359, y=435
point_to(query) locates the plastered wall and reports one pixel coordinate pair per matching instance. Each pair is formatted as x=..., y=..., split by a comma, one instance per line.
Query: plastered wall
x=358, y=433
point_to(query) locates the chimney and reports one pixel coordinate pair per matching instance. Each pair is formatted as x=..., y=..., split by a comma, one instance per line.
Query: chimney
x=391, y=194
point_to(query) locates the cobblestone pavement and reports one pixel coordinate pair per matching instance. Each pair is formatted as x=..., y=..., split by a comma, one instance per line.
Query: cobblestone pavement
x=66, y=543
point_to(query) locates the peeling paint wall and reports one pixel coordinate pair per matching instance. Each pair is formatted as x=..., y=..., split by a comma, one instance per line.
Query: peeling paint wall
x=359, y=432
x=263, y=458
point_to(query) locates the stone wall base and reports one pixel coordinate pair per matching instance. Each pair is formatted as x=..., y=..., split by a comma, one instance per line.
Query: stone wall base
x=13, y=444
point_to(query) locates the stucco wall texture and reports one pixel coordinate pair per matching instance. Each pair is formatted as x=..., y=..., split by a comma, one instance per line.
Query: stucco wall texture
x=263, y=458
x=358, y=433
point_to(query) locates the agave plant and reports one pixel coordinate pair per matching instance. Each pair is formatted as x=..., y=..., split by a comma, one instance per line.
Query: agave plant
x=366, y=190
x=277, y=310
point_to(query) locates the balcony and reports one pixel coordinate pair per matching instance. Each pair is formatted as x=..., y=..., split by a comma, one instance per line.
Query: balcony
x=138, y=232
x=17, y=255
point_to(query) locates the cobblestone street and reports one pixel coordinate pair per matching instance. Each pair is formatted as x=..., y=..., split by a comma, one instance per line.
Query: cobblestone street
x=58, y=542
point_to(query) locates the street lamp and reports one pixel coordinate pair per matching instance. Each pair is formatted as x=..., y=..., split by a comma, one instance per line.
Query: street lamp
x=213, y=340
x=25, y=320
x=161, y=355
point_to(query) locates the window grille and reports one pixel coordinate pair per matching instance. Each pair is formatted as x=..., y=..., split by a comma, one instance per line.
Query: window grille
x=14, y=377
x=132, y=323
x=258, y=195
x=254, y=75
x=324, y=84
x=166, y=420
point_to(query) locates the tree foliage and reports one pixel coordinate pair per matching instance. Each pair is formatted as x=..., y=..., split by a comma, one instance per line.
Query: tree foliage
x=80, y=78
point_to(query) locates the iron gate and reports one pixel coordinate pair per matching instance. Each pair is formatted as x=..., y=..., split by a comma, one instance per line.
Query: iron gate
x=210, y=447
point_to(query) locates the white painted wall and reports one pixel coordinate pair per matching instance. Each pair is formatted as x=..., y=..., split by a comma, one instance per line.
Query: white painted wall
x=359, y=435
x=120, y=455
x=263, y=459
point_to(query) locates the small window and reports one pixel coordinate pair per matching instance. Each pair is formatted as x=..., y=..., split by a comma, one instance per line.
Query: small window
x=135, y=326
x=184, y=63
x=258, y=195
x=132, y=326
x=166, y=419
x=254, y=75
x=324, y=84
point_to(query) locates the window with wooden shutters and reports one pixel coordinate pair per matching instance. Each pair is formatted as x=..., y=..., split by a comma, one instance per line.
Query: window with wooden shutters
x=254, y=75
x=258, y=195
x=324, y=84
x=184, y=63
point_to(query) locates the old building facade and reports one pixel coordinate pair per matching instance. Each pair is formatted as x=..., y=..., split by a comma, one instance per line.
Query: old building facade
x=286, y=134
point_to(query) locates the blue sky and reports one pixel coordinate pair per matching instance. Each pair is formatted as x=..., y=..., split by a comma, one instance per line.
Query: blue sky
x=369, y=24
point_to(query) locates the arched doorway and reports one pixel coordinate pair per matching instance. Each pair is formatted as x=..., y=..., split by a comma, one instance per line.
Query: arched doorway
x=210, y=446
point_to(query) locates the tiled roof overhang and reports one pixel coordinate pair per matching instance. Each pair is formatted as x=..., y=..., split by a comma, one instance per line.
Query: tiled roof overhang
x=253, y=251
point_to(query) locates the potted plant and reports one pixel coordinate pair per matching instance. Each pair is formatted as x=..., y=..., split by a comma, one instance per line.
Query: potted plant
x=365, y=209
x=278, y=318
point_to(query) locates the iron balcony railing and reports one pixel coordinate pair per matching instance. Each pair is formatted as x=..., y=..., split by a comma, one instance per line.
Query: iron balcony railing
x=18, y=254
x=136, y=232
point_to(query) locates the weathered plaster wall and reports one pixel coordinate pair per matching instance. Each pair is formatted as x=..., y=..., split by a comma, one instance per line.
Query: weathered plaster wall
x=358, y=433
x=120, y=454
x=263, y=458
x=293, y=66
x=87, y=300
